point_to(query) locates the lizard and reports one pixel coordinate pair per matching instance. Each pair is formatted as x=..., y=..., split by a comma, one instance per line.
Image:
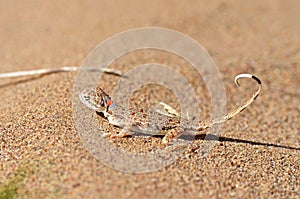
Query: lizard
x=98, y=100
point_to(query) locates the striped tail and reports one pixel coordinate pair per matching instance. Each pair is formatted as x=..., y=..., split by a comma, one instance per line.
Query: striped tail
x=239, y=109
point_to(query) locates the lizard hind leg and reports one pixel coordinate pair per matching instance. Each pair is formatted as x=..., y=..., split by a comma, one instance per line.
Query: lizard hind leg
x=173, y=134
x=166, y=109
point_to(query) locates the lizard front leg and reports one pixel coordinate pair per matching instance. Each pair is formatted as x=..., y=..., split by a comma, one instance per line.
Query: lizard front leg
x=123, y=133
x=126, y=126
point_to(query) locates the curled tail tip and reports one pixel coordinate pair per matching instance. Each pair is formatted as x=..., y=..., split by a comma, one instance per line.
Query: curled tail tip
x=245, y=75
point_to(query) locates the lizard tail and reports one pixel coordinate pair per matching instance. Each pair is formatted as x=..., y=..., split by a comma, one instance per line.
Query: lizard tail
x=240, y=108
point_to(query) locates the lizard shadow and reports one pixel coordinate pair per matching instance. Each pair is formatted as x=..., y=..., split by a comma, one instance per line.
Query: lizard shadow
x=226, y=139
x=212, y=137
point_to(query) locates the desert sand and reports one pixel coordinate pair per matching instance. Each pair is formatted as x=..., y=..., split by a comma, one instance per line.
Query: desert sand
x=257, y=154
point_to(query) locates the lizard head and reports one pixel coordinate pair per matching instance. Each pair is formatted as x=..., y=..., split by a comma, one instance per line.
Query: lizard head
x=96, y=99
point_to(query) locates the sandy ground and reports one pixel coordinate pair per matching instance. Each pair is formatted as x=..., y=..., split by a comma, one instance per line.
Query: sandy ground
x=257, y=155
